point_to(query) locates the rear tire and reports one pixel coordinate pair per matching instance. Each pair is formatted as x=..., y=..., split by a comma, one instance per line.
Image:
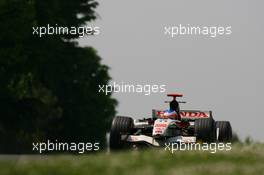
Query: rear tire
x=204, y=129
x=120, y=125
x=225, y=131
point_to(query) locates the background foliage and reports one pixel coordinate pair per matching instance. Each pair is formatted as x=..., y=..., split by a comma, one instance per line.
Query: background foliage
x=49, y=85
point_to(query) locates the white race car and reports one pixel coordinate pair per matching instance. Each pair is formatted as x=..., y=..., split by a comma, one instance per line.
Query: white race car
x=168, y=126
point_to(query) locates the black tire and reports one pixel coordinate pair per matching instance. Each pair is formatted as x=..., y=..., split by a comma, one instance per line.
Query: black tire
x=225, y=131
x=204, y=129
x=120, y=125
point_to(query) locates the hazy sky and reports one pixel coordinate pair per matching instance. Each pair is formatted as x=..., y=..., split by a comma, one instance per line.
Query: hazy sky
x=222, y=74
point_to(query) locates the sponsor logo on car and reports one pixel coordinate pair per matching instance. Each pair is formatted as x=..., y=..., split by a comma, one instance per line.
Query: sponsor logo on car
x=194, y=114
x=162, y=125
x=186, y=114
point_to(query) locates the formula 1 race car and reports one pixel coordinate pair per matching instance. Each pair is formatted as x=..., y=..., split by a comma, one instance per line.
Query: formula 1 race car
x=168, y=126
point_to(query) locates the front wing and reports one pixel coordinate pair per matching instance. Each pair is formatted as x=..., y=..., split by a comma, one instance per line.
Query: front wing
x=157, y=142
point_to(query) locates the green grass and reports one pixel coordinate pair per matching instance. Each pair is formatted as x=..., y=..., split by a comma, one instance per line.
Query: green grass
x=242, y=159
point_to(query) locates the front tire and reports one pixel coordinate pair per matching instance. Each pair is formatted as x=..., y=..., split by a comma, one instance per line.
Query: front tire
x=120, y=125
x=224, y=131
x=204, y=129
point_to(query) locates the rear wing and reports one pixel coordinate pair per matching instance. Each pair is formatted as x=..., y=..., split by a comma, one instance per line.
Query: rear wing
x=185, y=114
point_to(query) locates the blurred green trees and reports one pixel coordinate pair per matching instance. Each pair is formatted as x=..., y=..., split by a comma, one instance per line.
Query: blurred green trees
x=49, y=85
